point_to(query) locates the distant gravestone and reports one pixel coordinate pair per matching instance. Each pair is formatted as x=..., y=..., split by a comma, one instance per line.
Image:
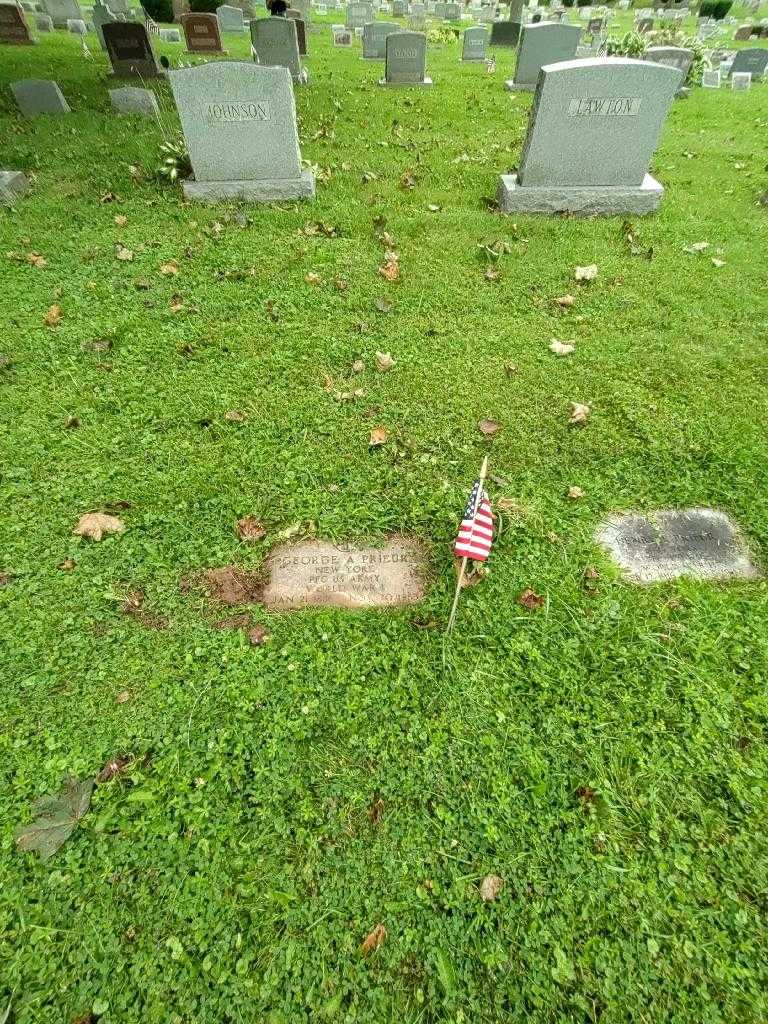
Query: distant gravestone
x=13, y=185
x=180, y=8
x=359, y=14
x=674, y=57
x=452, y=12
x=201, y=33
x=230, y=19
x=473, y=48
x=753, y=60
x=319, y=573
x=743, y=33
x=38, y=96
x=645, y=25
x=399, y=8
x=304, y=7
x=710, y=79
x=301, y=36
x=505, y=33
x=61, y=11
x=342, y=37
x=698, y=542
x=77, y=26
x=275, y=42
x=13, y=25
x=375, y=39
x=239, y=122
x=44, y=23
x=102, y=15
x=741, y=81
x=594, y=126
x=546, y=43
x=130, y=100
x=406, y=60
x=595, y=26
x=130, y=50
x=170, y=35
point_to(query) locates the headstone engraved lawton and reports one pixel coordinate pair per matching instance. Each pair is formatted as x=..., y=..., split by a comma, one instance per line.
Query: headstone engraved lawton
x=239, y=122
x=546, y=43
x=698, y=542
x=13, y=25
x=473, y=48
x=201, y=32
x=593, y=128
x=130, y=51
x=131, y=100
x=406, y=60
x=318, y=573
x=276, y=44
x=13, y=185
x=375, y=39
x=39, y=96
x=675, y=57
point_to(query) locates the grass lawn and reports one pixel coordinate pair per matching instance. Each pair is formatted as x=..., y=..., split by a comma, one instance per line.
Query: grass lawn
x=605, y=755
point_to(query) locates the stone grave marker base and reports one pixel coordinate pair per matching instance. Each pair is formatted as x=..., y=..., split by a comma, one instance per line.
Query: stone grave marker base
x=512, y=86
x=405, y=85
x=586, y=200
x=267, y=190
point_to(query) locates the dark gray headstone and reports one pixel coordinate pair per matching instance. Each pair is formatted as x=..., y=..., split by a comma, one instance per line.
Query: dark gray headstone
x=505, y=33
x=546, y=43
x=375, y=39
x=753, y=60
x=406, y=60
x=39, y=96
x=130, y=50
x=44, y=23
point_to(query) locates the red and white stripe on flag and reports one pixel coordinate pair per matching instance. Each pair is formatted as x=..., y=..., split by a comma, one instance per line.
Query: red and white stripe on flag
x=476, y=530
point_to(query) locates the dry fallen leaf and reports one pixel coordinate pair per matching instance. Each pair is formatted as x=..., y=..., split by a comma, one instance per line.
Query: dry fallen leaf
x=490, y=888
x=585, y=273
x=561, y=348
x=250, y=529
x=235, y=416
x=36, y=260
x=378, y=436
x=575, y=493
x=510, y=369
x=114, y=766
x=170, y=268
x=531, y=600
x=313, y=278
x=67, y=565
x=121, y=220
x=376, y=810
x=696, y=247
x=492, y=274
x=56, y=818
x=717, y=263
x=564, y=301
x=384, y=361
x=383, y=305
x=508, y=505
x=373, y=940
x=94, y=525
x=123, y=254
x=358, y=366
x=53, y=316
x=258, y=635
x=579, y=414
x=390, y=269
x=123, y=697
x=488, y=428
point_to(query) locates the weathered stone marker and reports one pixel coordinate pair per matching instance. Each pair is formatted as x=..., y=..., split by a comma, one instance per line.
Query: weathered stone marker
x=239, y=122
x=375, y=39
x=230, y=19
x=131, y=100
x=406, y=60
x=13, y=185
x=698, y=542
x=129, y=50
x=201, y=33
x=593, y=128
x=548, y=42
x=475, y=42
x=318, y=573
x=39, y=96
x=753, y=60
x=276, y=44
x=13, y=25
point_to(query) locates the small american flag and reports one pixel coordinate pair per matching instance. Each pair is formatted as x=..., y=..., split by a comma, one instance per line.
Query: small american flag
x=476, y=530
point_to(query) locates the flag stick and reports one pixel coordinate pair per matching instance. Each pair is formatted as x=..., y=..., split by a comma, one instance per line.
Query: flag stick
x=465, y=559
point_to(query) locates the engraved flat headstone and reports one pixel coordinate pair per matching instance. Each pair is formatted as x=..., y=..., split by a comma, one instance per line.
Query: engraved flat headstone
x=593, y=128
x=13, y=25
x=505, y=33
x=698, y=542
x=674, y=57
x=741, y=81
x=230, y=19
x=406, y=60
x=39, y=96
x=130, y=50
x=170, y=35
x=13, y=185
x=276, y=44
x=474, y=44
x=753, y=60
x=201, y=33
x=130, y=100
x=546, y=43
x=318, y=573
x=710, y=79
x=239, y=122
x=375, y=39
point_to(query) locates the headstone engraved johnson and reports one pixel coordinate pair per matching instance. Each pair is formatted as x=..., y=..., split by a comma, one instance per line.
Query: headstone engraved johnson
x=546, y=43
x=698, y=542
x=406, y=59
x=201, y=33
x=239, y=122
x=593, y=128
x=13, y=25
x=318, y=573
x=130, y=51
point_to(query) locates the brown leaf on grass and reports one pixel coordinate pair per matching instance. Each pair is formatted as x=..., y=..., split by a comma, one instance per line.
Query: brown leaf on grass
x=114, y=767
x=378, y=436
x=383, y=305
x=531, y=600
x=475, y=573
x=387, y=240
x=408, y=179
x=258, y=635
x=564, y=301
x=235, y=416
x=373, y=940
x=67, y=565
x=5, y=579
x=575, y=493
x=358, y=366
x=123, y=254
x=250, y=529
x=53, y=316
x=510, y=369
x=36, y=260
x=94, y=525
x=509, y=505
x=492, y=274
x=384, y=361
x=376, y=810
x=390, y=269
x=232, y=585
x=490, y=888
x=488, y=428
x=579, y=414
x=121, y=220
x=108, y=197
x=55, y=818
x=169, y=269
x=313, y=278
x=340, y=284
x=588, y=273
x=176, y=304
x=587, y=795
x=242, y=621
x=123, y=697
x=561, y=348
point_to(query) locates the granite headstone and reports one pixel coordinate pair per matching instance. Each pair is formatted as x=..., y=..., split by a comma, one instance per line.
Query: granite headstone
x=130, y=50
x=276, y=44
x=406, y=60
x=201, y=33
x=13, y=25
x=375, y=39
x=131, y=100
x=546, y=43
x=675, y=57
x=39, y=96
x=754, y=60
x=473, y=47
x=230, y=19
x=505, y=33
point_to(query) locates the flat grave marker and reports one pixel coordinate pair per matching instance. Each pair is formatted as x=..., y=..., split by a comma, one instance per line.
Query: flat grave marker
x=754, y=60
x=39, y=96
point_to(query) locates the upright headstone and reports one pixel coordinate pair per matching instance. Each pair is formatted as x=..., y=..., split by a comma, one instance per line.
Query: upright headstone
x=39, y=96
x=741, y=81
x=753, y=60
x=230, y=19
x=710, y=79
x=505, y=33
x=77, y=26
x=743, y=33
x=44, y=23
x=61, y=11
x=645, y=25
x=399, y=8
x=304, y=7
x=417, y=17
x=359, y=14
x=239, y=122
x=170, y=35
x=473, y=48
x=375, y=38
x=102, y=15
x=452, y=12
x=130, y=100
x=594, y=127
x=301, y=36
x=341, y=36
x=406, y=60
x=13, y=25
x=180, y=8
x=595, y=26
x=546, y=43
x=13, y=185
x=130, y=50
x=675, y=57
x=201, y=33
x=275, y=43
